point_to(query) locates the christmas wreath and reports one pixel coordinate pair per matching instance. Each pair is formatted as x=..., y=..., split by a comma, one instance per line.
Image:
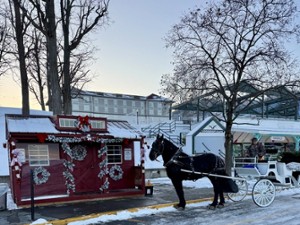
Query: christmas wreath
x=78, y=153
x=40, y=175
x=116, y=172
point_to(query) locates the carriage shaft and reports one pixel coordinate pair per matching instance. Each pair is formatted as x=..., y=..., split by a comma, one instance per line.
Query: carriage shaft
x=213, y=175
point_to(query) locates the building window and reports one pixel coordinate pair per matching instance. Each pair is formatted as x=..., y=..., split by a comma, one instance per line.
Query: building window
x=114, y=154
x=137, y=103
x=110, y=102
x=129, y=103
x=87, y=107
x=120, y=102
x=87, y=99
x=97, y=124
x=38, y=155
x=69, y=123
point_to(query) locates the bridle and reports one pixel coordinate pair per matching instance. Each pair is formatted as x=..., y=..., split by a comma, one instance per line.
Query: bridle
x=159, y=151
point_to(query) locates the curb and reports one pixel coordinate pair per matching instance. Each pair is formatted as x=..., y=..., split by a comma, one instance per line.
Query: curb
x=95, y=215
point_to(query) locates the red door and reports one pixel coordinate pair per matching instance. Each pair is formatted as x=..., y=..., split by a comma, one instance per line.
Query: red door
x=86, y=171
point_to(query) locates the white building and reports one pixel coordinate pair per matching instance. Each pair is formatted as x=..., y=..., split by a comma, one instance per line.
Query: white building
x=132, y=108
x=276, y=134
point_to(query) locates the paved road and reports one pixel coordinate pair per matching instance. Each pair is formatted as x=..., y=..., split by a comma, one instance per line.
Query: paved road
x=163, y=193
x=284, y=210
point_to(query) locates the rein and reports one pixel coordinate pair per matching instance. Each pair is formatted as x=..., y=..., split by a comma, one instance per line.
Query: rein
x=173, y=159
x=160, y=152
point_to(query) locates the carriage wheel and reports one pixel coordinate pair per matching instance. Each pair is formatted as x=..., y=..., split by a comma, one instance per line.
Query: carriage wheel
x=241, y=194
x=263, y=193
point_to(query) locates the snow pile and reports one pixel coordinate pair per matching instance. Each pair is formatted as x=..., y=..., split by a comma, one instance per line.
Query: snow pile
x=146, y=211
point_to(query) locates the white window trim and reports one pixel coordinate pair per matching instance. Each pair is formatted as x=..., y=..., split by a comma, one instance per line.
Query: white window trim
x=39, y=164
x=121, y=154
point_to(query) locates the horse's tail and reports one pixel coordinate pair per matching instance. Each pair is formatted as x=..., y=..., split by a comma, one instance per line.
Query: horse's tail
x=227, y=184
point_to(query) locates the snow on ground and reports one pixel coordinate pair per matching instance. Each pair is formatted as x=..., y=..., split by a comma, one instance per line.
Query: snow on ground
x=128, y=214
x=10, y=203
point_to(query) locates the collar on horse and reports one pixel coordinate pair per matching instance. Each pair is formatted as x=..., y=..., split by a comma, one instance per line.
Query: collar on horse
x=174, y=159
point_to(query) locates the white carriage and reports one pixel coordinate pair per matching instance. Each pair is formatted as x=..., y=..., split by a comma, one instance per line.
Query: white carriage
x=268, y=175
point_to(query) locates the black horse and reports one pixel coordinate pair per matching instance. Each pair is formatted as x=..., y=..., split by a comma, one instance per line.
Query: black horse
x=175, y=160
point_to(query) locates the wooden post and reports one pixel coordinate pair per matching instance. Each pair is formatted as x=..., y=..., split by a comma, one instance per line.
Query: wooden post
x=32, y=194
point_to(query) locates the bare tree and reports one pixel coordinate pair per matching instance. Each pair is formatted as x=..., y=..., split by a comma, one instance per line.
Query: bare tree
x=37, y=67
x=42, y=16
x=20, y=26
x=228, y=43
x=79, y=62
x=4, y=40
x=77, y=19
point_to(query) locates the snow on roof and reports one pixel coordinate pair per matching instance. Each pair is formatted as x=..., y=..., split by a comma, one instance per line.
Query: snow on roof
x=118, y=129
x=122, y=129
x=3, y=151
x=31, y=125
x=267, y=126
x=152, y=96
x=260, y=126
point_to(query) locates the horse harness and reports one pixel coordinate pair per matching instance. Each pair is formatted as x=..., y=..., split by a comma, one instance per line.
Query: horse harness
x=175, y=159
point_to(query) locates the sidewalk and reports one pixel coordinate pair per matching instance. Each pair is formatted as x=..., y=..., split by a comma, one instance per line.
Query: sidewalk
x=162, y=194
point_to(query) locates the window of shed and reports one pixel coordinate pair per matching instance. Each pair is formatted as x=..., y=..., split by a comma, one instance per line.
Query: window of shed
x=64, y=122
x=38, y=155
x=114, y=154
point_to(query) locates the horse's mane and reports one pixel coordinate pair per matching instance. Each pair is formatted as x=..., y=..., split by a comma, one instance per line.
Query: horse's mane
x=169, y=142
x=173, y=146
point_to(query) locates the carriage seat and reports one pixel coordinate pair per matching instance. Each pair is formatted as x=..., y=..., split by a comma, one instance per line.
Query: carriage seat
x=283, y=170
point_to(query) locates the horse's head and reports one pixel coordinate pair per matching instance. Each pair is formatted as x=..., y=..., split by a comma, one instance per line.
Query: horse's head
x=157, y=147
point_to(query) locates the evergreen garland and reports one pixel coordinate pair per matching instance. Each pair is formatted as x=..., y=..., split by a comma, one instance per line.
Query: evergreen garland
x=103, y=168
x=105, y=185
x=87, y=137
x=70, y=182
x=69, y=165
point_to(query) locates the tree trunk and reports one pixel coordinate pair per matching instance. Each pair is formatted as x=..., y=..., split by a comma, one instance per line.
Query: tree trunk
x=67, y=84
x=39, y=78
x=67, y=54
x=22, y=63
x=228, y=138
x=228, y=147
x=56, y=102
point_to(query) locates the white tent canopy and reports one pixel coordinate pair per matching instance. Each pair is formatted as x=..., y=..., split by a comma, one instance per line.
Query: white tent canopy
x=210, y=132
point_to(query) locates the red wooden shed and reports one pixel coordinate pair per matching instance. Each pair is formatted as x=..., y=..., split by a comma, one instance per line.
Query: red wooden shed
x=70, y=158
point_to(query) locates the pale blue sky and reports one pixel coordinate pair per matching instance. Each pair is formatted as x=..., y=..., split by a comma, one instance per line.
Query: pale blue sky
x=132, y=56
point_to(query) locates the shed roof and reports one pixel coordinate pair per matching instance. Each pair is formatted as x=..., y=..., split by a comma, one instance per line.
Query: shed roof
x=117, y=129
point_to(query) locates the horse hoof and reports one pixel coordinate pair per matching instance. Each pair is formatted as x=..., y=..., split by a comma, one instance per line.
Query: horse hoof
x=221, y=205
x=179, y=207
x=211, y=206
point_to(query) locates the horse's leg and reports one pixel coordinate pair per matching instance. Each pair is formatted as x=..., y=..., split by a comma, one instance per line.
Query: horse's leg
x=221, y=193
x=222, y=199
x=216, y=193
x=179, y=190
